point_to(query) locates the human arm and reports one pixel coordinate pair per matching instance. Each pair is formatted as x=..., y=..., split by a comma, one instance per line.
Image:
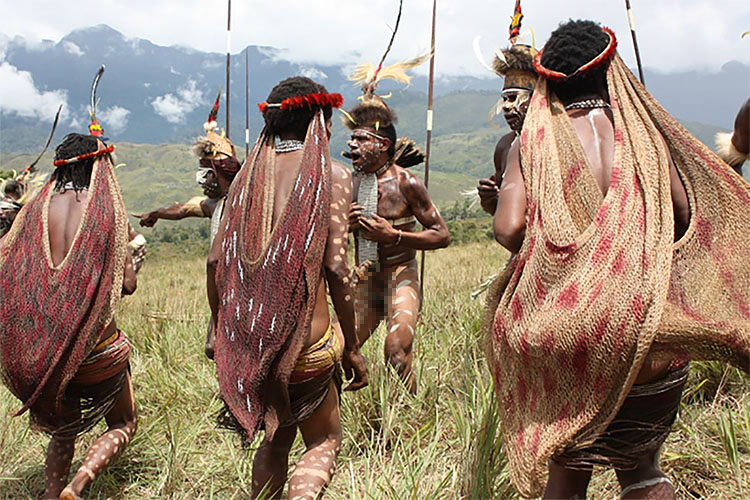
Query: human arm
x=680, y=204
x=435, y=234
x=509, y=223
x=741, y=136
x=489, y=188
x=211, y=290
x=337, y=275
x=195, y=207
x=129, y=279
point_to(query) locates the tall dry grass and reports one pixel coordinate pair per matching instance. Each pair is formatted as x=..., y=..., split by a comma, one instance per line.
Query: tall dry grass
x=442, y=444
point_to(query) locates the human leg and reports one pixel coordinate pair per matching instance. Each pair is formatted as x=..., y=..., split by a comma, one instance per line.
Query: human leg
x=645, y=481
x=322, y=435
x=271, y=463
x=121, y=427
x=566, y=483
x=57, y=465
x=403, y=310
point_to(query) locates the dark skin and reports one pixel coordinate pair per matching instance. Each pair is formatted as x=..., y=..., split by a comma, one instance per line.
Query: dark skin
x=400, y=194
x=595, y=131
x=322, y=430
x=65, y=213
x=741, y=135
x=215, y=188
x=489, y=188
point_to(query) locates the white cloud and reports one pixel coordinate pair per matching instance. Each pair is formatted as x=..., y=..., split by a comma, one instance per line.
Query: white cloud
x=174, y=108
x=72, y=48
x=114, y=119
x=312, y=73
x=674, y=35
x=21, y=97
x=212, y=64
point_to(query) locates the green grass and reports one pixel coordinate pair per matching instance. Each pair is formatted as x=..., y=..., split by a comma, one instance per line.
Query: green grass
x=442, y=444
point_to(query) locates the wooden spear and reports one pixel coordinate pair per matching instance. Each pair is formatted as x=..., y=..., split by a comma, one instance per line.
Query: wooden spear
x=247, y=104
x=229, y=47
x=430, y=97
x=635, y=41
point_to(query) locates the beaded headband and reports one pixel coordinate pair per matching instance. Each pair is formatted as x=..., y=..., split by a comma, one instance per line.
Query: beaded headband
x=603, y=57
x=308, y=101
x=84, y=156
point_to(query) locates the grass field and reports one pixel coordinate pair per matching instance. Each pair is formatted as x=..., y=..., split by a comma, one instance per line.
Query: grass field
x=442, y=444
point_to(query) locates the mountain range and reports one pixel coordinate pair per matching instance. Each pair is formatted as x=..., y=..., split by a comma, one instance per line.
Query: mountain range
x=155, y=94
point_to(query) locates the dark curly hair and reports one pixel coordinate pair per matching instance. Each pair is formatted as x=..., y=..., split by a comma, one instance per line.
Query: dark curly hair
x=294, y=121
x=79, y=173
x=569, y=47
x=367, y=114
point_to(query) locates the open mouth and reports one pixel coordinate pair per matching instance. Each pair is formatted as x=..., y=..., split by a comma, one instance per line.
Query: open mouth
x=355, y=156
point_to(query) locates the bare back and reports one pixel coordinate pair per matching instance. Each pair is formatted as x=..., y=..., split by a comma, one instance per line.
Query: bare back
x=595, y=131
x=64, y=218
x=287, y=167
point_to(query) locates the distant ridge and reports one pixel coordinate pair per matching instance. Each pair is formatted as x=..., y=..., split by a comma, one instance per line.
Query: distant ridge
x=155, y=94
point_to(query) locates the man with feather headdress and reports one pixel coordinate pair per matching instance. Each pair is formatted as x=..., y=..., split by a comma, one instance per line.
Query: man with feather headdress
x=217, y=167
x=61, y=352
x=516, y=66
x=388, y=203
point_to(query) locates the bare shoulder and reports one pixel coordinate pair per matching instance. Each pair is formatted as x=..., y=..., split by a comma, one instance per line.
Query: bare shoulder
x=503, y=145
x=408, y=180
x=339, y=171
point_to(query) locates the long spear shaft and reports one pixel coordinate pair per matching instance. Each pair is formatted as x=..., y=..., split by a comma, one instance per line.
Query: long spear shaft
x=229, y=47
x=430, y=97
x=635, y=41
x=247, y=104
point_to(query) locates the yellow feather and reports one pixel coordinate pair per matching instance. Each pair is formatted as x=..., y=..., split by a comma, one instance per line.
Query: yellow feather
x=745, y=34
x=363, y=74
x=398, y=70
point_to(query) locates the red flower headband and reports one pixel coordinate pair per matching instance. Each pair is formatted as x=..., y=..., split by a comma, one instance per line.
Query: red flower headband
x=557, y=76
x=84, y=156
x=309, y=101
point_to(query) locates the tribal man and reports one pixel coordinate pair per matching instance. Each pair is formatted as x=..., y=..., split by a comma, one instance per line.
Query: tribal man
x=217, y=167
x=389, y=201
x=631, y=245
x=61, y=353
x=10, y=204
x=734, y=148
x=516, y=67
x=281, y=245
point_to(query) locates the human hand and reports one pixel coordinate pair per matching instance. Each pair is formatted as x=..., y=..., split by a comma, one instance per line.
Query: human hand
x=378, y=229
x=148, y=219
x=210, y=339
x=355, y=212
x=488, y=189
x=355, y=368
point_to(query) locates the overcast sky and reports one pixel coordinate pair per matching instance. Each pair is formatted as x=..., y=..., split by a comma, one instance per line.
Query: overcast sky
x=674, y=35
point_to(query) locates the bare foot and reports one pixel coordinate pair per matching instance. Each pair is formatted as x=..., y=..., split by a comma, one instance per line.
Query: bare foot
x=69, y=494
x=654, y=489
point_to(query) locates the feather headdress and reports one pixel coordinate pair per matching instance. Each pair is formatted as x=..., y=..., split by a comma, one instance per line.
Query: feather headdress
x=213, y=145
x=368, y=76
x=516, y=63
x=95, y=128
